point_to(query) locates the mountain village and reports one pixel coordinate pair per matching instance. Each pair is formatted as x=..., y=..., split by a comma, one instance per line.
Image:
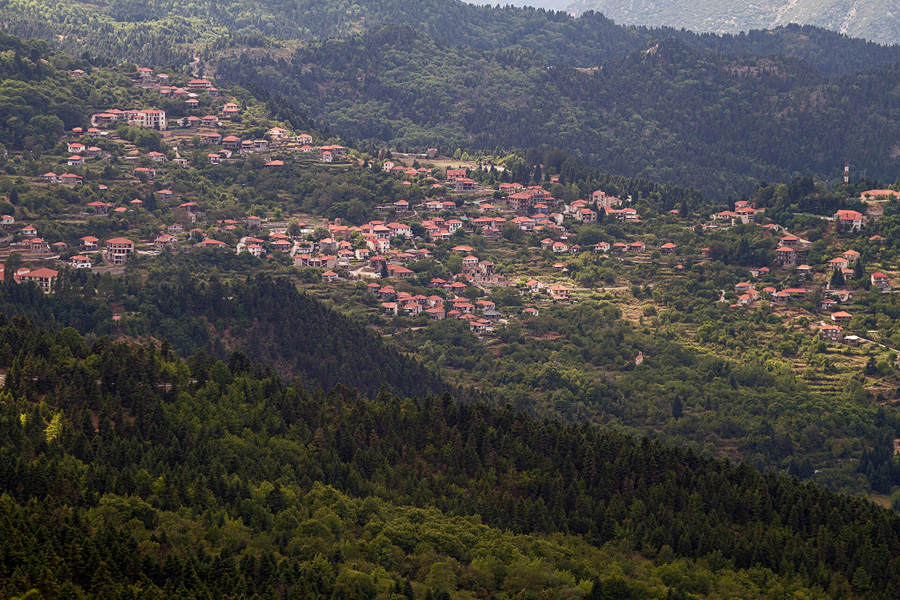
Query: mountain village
x=447, y=208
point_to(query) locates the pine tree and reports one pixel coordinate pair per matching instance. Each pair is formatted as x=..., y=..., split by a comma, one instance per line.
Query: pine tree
x=677, y=407
x=837, y=278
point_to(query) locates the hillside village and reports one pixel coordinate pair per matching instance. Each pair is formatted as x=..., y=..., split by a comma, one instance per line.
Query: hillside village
x=441, y=251
x=358, y=301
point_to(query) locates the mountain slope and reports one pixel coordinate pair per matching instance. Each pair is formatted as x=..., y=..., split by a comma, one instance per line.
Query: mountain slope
x=717, y=16
x=709, y=121
x=267, y=319
x=137, y=475
x=876, y=20
x=725, y=111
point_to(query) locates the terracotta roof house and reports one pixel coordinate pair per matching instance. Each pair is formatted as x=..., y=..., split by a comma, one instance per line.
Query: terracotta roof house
x=851, y=219
x=880, y=280
x=117, y=250
x=43, y=277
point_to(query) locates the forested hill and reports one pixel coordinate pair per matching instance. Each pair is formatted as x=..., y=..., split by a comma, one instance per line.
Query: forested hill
x=724, y=114
x=267, y=319
x=127, y=473
x=169, y=32
x=38, y=99
x=274, y=323
x=716, y=122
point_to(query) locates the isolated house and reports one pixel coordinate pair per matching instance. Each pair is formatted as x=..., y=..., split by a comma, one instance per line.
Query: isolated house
x=880, y=280
x=838, y=263
x=80, y=262
x=454, y=174
x=832, y=333
x=786, y=255
x=117, y=250
x=99, y=208
x=199, y=84
x=558, y=292
x=90, y=243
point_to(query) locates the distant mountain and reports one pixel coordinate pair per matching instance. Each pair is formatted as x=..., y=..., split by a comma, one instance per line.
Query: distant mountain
x=175, y=32
x=876, y=20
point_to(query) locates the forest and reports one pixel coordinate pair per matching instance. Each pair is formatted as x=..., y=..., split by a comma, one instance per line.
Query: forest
x=716, y=122
x=267, y=318
x=735, y=397
x=587, y=41
x=127, y=472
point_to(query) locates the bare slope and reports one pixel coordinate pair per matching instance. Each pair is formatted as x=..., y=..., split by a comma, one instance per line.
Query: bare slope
x=876, y=20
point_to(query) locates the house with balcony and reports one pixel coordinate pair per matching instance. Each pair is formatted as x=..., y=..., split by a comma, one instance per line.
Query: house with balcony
x=118, y=250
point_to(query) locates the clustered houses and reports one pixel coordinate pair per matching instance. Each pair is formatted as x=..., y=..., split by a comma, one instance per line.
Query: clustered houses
x=409, y=173
x=624, y=214
x=437, y=308
x=232, y=144
x=67, y=179
x=835, y=333
x=34, y=248
x=192, y=92
x=370, y=250
x=748, y=295
x=523, y=200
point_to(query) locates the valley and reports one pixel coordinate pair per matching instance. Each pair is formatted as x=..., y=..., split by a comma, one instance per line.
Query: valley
x=338, y=301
